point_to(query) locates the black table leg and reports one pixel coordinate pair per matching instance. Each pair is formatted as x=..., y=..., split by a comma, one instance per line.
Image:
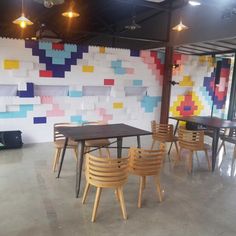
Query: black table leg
x=138, y=142
x=79, y=166
x=119, y=147
x=215, y=140
x=176, y=127
x=62, y=157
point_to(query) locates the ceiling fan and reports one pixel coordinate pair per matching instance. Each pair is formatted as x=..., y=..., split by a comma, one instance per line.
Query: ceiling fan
x=50, y=3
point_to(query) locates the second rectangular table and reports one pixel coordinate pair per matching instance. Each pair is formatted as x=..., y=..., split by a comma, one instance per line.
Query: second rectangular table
x=214, y=123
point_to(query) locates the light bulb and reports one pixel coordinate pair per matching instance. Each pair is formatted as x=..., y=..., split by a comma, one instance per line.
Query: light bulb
x=70, y=14
x=22, y=24
x=48, y=3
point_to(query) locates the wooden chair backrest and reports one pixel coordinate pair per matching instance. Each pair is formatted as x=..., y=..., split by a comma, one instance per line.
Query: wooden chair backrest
x=56, y=134
x=162, y=132
x=106, y=172
x=191, y=139
x=145, y=162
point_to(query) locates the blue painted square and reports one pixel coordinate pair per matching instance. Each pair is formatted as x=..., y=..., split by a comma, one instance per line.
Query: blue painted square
x=137, y=82
x=134, y=53
x=40, y=120
x=187, y=108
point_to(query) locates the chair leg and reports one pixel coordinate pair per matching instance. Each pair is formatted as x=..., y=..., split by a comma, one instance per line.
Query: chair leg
x=208, y=160
x=108, y=152
x=224, y=148
x=158, y=185
x=122, y=202
x=95, y=207
x=56, y=158
x=100, y=152
x=141, y=183
x=85, y=193
x=190, y=164
x=177, y=150
x=76, y=152
x=178, y=158
x=117, y=194
x=144, y=182
x=153, y=143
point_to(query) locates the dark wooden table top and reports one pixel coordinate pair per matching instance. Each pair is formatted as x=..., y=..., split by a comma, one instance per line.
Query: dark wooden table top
x=91, y=132
x=213, y=122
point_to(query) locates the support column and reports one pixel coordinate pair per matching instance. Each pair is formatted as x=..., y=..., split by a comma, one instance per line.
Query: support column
x=166, y=89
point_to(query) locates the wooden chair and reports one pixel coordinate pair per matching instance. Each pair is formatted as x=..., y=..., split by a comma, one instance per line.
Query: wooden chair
x=145, y=163
x=99, y=143
x=193, y=141
x=59, y=141
x=163, y=133
x=106, y=173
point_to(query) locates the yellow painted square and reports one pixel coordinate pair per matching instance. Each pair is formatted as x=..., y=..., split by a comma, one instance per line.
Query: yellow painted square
x=102, y=49
x=88, y=69
x=118, y=105
x=11, y=64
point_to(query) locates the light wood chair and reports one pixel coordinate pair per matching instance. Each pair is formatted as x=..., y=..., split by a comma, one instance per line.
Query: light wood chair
x=163, y=133
x=145, y=163
x=99, y=143
x=193, y=141
x=106, y=173
x=59, y=141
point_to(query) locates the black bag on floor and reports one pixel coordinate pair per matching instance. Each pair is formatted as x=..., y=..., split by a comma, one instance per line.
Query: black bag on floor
x=10, y=139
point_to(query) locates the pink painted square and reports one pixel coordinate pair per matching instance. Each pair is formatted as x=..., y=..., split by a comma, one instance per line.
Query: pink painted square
x=144, y=53
x=130, y=71
x=46, y=100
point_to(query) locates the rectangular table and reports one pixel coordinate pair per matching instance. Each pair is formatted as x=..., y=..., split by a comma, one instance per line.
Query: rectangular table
x=92, y=132
x=214, y=123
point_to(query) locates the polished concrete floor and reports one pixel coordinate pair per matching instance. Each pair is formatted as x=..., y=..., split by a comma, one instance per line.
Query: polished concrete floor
x=33, y=202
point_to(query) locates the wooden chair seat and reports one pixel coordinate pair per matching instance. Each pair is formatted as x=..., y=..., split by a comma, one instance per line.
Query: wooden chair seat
x=98, y=143
x=59, y=141
x=106, y=173
x=145, y=163
x=70, y=144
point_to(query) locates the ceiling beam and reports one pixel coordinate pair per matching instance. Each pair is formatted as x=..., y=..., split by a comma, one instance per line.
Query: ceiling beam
x=145, y=4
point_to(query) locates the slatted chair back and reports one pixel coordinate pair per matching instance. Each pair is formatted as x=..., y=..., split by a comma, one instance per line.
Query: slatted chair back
x=56, y=134
x=145, y=162
x=191, y=139
x=106, y=172
x=162, y=132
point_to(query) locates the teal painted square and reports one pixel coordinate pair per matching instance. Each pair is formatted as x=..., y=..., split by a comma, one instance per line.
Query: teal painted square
x=70, y=48
x=120, y=71
x=161, y=56
x=22, y=113
x=58, y=54
x=137, y=82
x=115, y=64
x=45, y=46
x=75, y=93
x=149, y=103
x=58, y=61
x=76, y=119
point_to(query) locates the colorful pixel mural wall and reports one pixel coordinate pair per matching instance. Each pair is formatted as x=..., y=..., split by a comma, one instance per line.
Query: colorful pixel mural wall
x=42, y=83
x=198, y=92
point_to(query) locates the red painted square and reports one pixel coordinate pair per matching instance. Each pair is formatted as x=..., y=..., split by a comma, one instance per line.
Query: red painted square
x=109, y=82
x=45, y=73
x=58, y=46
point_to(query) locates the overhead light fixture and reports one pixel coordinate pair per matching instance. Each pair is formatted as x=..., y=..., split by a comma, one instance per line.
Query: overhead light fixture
x=71, y=13
x=194, y=3
x=50, y=3
x=133, y=25
x=22, y=21
x=180, y=27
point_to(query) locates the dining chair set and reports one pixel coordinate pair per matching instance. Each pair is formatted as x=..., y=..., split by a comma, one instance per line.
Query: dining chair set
x=103, y=171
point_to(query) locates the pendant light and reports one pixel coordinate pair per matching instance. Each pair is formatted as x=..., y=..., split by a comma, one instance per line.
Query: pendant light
x=70, y=13
x=180, y=27
x=22, y=21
